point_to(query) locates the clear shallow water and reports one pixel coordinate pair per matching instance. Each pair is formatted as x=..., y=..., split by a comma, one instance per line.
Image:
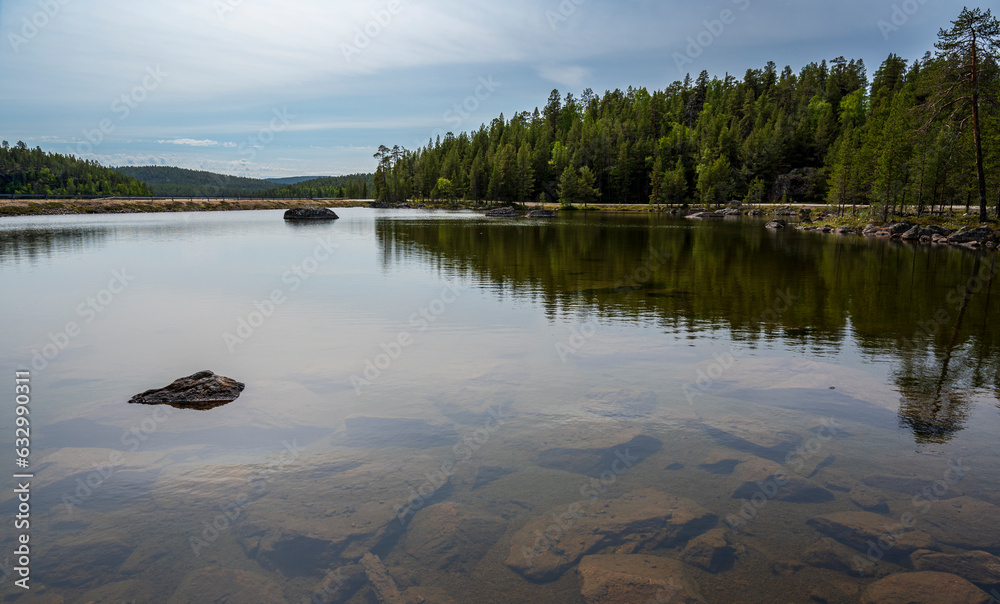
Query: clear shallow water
x=470, y=376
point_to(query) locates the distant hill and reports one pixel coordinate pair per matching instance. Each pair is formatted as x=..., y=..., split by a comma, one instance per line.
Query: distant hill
x=25, y=171
x=291, y=180
x=167, y=181
x=351, y=186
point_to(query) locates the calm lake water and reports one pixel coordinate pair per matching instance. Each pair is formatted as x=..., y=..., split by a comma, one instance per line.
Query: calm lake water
x=439, y=389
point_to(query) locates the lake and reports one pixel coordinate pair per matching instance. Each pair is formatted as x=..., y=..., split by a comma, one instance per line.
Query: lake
x=499, y=410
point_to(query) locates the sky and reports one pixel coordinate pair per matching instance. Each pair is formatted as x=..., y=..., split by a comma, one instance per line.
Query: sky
x=277, y=88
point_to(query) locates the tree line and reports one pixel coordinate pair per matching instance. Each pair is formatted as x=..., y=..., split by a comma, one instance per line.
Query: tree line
x=25, y=171
x=919, y=135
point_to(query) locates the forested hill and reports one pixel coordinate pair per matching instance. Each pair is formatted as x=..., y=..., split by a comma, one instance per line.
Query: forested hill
x=167, y=181
x=827, y=133
x=351, y=186
x=25, y=171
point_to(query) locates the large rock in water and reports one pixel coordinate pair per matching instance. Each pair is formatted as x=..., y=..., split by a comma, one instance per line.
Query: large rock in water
x=756, y=478
x=216, y=584
x=541, y=214
x=645, y=519
x=451, y=536
x=978, y=567
x=633, y=579
x=924, y=588
x=311, y=214
x=502, y=213
x=861, y=530
x=964, y=522
x=202, y=390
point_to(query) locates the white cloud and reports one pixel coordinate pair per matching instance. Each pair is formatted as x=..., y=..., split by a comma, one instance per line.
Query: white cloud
x=192, y=142
x=568, y=75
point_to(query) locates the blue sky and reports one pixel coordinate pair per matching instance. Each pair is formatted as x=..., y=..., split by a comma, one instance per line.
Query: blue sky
x=272, y=88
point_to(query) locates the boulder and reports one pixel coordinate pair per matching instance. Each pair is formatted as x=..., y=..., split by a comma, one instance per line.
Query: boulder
x=845, y=231
x=541, y=214
x=865, y=531
x=912, y=234
x=963, y=522
x=713, y=552
x=203, y=390
x=635, y=579
x=978, y=567
x=502, y=213
x=869, y=500
x=756, y=477
x=641, y=520
x=216, y=584
x=777, y=223
x=900, y=228
x=923, y=588
x=451, y=536
x=979, y=234
x=829, y=554
x=311, y=214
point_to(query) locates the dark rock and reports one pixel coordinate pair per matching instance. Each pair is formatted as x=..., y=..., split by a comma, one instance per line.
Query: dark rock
x=912, y=234
x=599, y=461
x=979, y=234
x=641, y=520
x=378, y=205
x=700, y=215
x=339, y=583
x=75, y=566
x=502, y=213
x=861, y=530
x=715, y=551
x=635, y=579
x=215, y=584
x=451, y=536
x=827, y=553
x=923, y=588
x=203, y=390
x=311, y=214
x=777, y=223
x=934, y=229
x=755, y=213
x=755, y=478
x=900, y=227
x=541, y=214
x=845, y=231
x=978, y=567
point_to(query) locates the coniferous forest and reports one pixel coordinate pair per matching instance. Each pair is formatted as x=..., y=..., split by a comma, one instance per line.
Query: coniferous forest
x=916, y=135
x=25, y=171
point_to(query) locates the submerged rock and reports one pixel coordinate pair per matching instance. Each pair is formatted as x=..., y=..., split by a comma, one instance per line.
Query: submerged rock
x=864, y=530
x=600, y=462
x=216, y=584
x=452, y=536
x=311, y=214
x=827, y=553
x=713, y=552
x=624, y=402
x=977, y=566
x=869, y=500
x=541, y=214
x=634, y=579
x=203, y=390
x=963, y=522
x=923, y=588
x=756, y=477
x=777, y=223
x=503, y=213
x=642, y=520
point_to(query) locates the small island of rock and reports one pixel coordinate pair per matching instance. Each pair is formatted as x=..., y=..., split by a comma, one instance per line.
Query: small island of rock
x=203, y=390
x=311, y=214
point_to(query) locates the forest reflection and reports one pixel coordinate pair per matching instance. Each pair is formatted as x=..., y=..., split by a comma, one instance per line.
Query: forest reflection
x=927, y=309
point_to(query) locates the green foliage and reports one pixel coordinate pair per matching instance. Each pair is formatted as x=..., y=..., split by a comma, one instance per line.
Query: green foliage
x=351, y=186
x=25, y=171
x=167, y=181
